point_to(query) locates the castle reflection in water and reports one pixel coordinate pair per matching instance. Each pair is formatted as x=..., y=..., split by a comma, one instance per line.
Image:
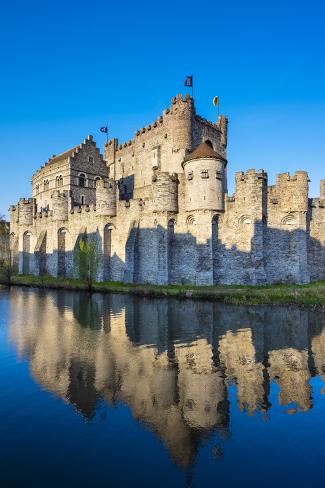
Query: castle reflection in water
x=170, y=361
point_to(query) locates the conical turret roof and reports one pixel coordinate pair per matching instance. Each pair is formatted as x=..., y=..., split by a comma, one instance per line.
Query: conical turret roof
x=204, y=150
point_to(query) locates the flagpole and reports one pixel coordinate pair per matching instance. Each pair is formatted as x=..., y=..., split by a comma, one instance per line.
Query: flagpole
x=189, y=83
x=107, y=133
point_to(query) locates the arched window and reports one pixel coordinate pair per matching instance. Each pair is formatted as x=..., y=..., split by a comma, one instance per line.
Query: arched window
x=190, y=220
x=26, y=252
x=14, y=254
x=97, y=178
x=288, y=220
x=59, y=181
x=46, y=185
x=82, y=199
x=245, y=219
x=82, y=180
x=37, y=189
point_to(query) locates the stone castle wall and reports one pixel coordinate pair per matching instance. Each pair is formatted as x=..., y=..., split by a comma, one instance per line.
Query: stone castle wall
x=159, y=214
x=4, y=242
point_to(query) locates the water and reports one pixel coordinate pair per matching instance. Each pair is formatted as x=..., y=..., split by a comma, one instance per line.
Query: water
x=119, y=391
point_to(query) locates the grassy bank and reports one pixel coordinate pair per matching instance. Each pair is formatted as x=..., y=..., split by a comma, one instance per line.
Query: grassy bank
x=308, y=295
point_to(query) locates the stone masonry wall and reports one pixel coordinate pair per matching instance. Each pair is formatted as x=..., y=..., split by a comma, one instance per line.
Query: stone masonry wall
x=316, y=240
x=241, y=231
x=287, y=232
x=4, y=241
x=151, y=225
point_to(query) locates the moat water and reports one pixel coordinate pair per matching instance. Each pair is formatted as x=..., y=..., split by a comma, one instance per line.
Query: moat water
x=120, y=391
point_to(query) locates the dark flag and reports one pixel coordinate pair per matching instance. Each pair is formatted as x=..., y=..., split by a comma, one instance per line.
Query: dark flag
x=189, y=81
x=104, y=129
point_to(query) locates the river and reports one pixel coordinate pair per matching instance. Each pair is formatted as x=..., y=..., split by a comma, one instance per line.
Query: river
x=110, y=390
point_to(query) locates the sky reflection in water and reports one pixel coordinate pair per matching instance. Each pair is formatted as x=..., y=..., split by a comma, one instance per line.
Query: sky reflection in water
x=114, y=390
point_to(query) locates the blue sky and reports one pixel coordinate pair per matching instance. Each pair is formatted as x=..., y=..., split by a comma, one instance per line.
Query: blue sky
x=67, y=67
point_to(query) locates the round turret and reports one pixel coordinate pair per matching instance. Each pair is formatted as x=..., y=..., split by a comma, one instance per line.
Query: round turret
x=25, y=211
x=165, y=192
x=106, y=198
x=59, y=206
x=204, y=179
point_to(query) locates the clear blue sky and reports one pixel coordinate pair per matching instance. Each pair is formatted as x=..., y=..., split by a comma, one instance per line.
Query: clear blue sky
x=69, y=66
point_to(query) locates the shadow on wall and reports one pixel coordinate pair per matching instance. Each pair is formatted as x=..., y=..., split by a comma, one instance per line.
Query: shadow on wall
x=126, y=188
x=160, y=256
x=178, y=383
x=70, y=264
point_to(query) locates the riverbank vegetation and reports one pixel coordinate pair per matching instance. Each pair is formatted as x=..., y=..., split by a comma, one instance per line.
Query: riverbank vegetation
x=312, y=294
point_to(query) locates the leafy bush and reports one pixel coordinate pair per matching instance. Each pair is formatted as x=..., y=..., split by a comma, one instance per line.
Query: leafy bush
x=87, y=261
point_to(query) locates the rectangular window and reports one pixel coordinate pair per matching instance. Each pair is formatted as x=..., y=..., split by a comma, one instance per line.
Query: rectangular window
x=155, y=158
x=205, y=173
x=190, y=175
x=91, y=159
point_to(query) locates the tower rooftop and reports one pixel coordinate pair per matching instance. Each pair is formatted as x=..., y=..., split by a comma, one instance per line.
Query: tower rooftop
x=204, y=151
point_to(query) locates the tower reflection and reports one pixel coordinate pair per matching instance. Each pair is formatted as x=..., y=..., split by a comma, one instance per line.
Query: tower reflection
x=170, y=361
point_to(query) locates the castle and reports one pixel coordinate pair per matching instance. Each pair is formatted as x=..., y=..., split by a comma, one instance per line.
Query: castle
x=158, y=210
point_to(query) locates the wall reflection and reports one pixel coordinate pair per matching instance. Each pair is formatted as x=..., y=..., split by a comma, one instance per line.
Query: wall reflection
x=170, y=361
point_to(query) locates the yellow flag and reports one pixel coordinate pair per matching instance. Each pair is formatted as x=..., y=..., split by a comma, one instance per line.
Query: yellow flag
x=215, y=101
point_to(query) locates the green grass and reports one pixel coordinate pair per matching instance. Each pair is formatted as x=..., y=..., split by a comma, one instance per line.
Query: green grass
x=312, y=294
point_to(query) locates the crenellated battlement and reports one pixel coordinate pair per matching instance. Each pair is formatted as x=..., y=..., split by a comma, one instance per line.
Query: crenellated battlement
x=159, y=211
x=179, y=106
x=251, y=175
x=299, y=176
x=290, y=192
x=43, y=214
x=222, y=125
x=177, y=102
x=207, y=122
x=26, y=210
x=26, y=201
x=78, y=209
x=250, y=199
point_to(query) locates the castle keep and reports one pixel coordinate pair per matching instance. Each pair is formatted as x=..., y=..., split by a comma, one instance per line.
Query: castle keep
x=158, y=209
